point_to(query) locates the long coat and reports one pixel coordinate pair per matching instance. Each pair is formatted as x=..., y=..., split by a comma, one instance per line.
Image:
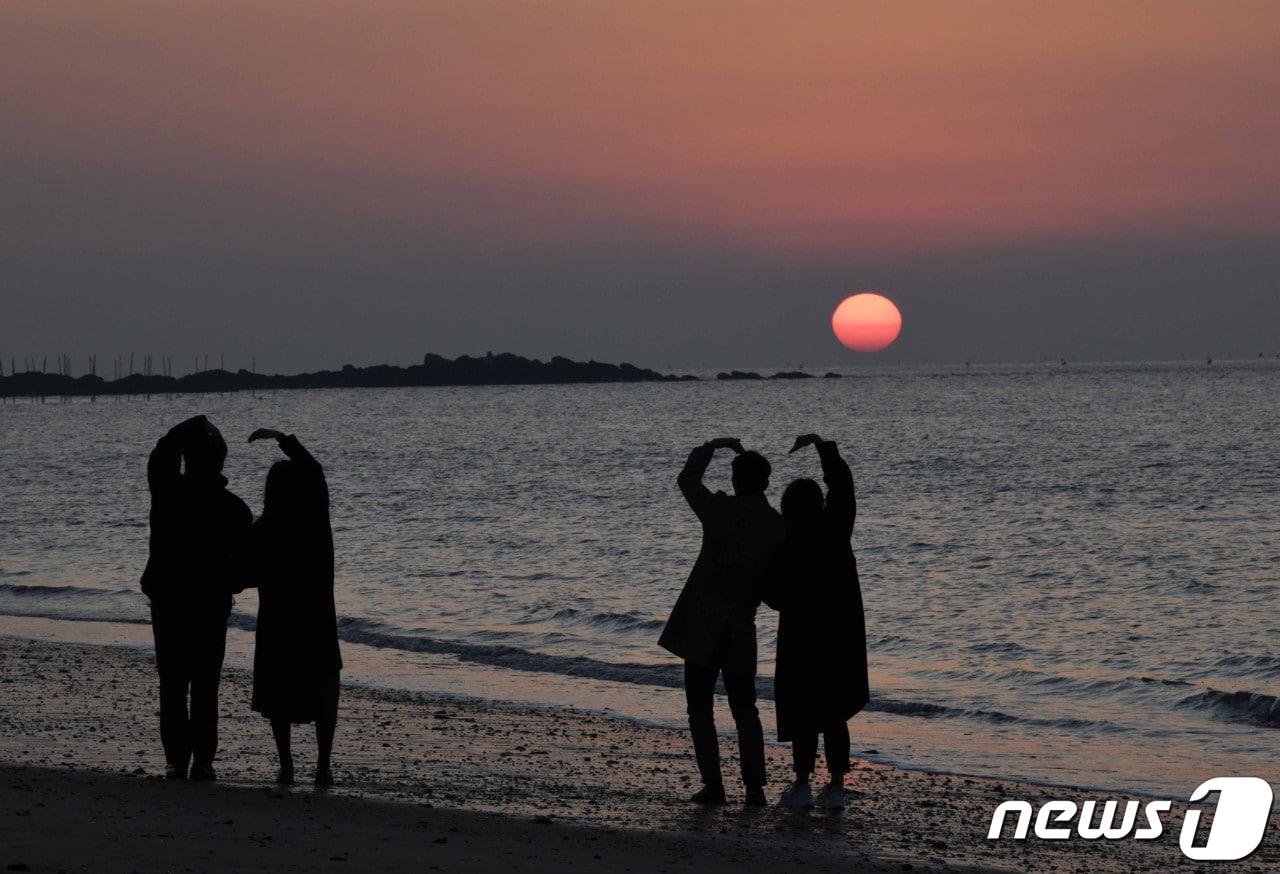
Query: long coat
x=197, y=526
x=821, y=673
x=296, y=656
x=714, y=617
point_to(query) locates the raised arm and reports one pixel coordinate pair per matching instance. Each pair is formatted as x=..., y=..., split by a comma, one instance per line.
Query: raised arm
x=165, y=462
x=299, y=455
x=695, y=467
x=841, y=502
x=291, y=446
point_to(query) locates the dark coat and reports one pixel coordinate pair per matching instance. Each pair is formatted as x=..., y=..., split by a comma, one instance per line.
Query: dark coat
x=197, y=527
x=821, y=674
x=296, y=656
x=717, y=607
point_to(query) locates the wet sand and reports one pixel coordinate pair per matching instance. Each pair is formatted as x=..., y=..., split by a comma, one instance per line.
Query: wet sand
x=461, y=784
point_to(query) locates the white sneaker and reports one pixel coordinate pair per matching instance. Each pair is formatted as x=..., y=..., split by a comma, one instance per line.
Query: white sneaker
x=832, y=798
x=798, y=796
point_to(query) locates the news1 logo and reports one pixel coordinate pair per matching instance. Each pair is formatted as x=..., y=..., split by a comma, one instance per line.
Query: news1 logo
x=1239, y=820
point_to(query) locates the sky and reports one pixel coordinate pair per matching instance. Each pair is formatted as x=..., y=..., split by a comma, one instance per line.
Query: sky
x=673, y=184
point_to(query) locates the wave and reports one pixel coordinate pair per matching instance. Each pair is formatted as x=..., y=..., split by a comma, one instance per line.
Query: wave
x=372, y=633
x=929, y=710
x=72, y=616
x=71, y=603
x=68, y=603
x=22, y=590
x=612, y=621
x=1255, y=708
x=377, y=634
x=1265, y=665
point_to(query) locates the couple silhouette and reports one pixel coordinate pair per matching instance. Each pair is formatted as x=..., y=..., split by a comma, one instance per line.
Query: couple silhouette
x=205, y=547
x=799, y=562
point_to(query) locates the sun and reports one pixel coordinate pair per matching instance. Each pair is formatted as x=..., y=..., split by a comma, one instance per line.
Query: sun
x=866, y=322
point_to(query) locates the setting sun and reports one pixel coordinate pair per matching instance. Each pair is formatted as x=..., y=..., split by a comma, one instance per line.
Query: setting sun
x=866, y=322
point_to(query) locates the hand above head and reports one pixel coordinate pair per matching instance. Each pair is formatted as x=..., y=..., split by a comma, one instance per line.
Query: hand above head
x=727, y=443
x=266, y=434
x=806, y=440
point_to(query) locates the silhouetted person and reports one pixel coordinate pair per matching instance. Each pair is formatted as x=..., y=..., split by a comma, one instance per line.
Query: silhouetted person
x=712, y=626
x=821, y=675
x=296, y=659
x=196, y=526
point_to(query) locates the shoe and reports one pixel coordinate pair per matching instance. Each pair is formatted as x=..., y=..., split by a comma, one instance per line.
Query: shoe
x=285, y=775
x=798, y=796
x=203, y=774
x=324, y=777
x=832, y=798
x=710, y=795
x=175, y=772
x=755, y=797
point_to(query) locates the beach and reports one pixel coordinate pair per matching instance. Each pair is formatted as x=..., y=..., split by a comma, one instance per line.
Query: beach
x=463, y=784
x=538, y=393
x=1035, y=603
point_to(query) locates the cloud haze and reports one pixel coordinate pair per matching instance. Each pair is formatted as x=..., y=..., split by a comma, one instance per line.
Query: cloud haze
x=687, y=184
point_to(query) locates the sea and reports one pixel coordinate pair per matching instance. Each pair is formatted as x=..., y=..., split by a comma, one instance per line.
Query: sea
x=1070, y=571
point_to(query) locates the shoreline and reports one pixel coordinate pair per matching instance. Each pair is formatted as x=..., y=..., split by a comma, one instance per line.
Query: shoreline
x=549, y=709
x=240, y=643
x=91, y=707
x=885, y=737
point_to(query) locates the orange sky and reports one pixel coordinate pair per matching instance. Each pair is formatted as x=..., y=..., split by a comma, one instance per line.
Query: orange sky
x=827, y=127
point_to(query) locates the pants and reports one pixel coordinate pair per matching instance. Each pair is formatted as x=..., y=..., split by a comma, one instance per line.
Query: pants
x=700, y=691
x=804, y=749
x=189, y=650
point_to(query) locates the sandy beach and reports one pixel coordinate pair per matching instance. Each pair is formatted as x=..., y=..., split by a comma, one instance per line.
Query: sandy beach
x=426, y=781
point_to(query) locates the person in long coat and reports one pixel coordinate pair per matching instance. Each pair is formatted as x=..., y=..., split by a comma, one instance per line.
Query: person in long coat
x=712, y=626
x=296, y=660
x=820, y=680
x=197, y=527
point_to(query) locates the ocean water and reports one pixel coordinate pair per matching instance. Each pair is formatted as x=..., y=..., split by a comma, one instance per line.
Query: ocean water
x=1070, y=573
